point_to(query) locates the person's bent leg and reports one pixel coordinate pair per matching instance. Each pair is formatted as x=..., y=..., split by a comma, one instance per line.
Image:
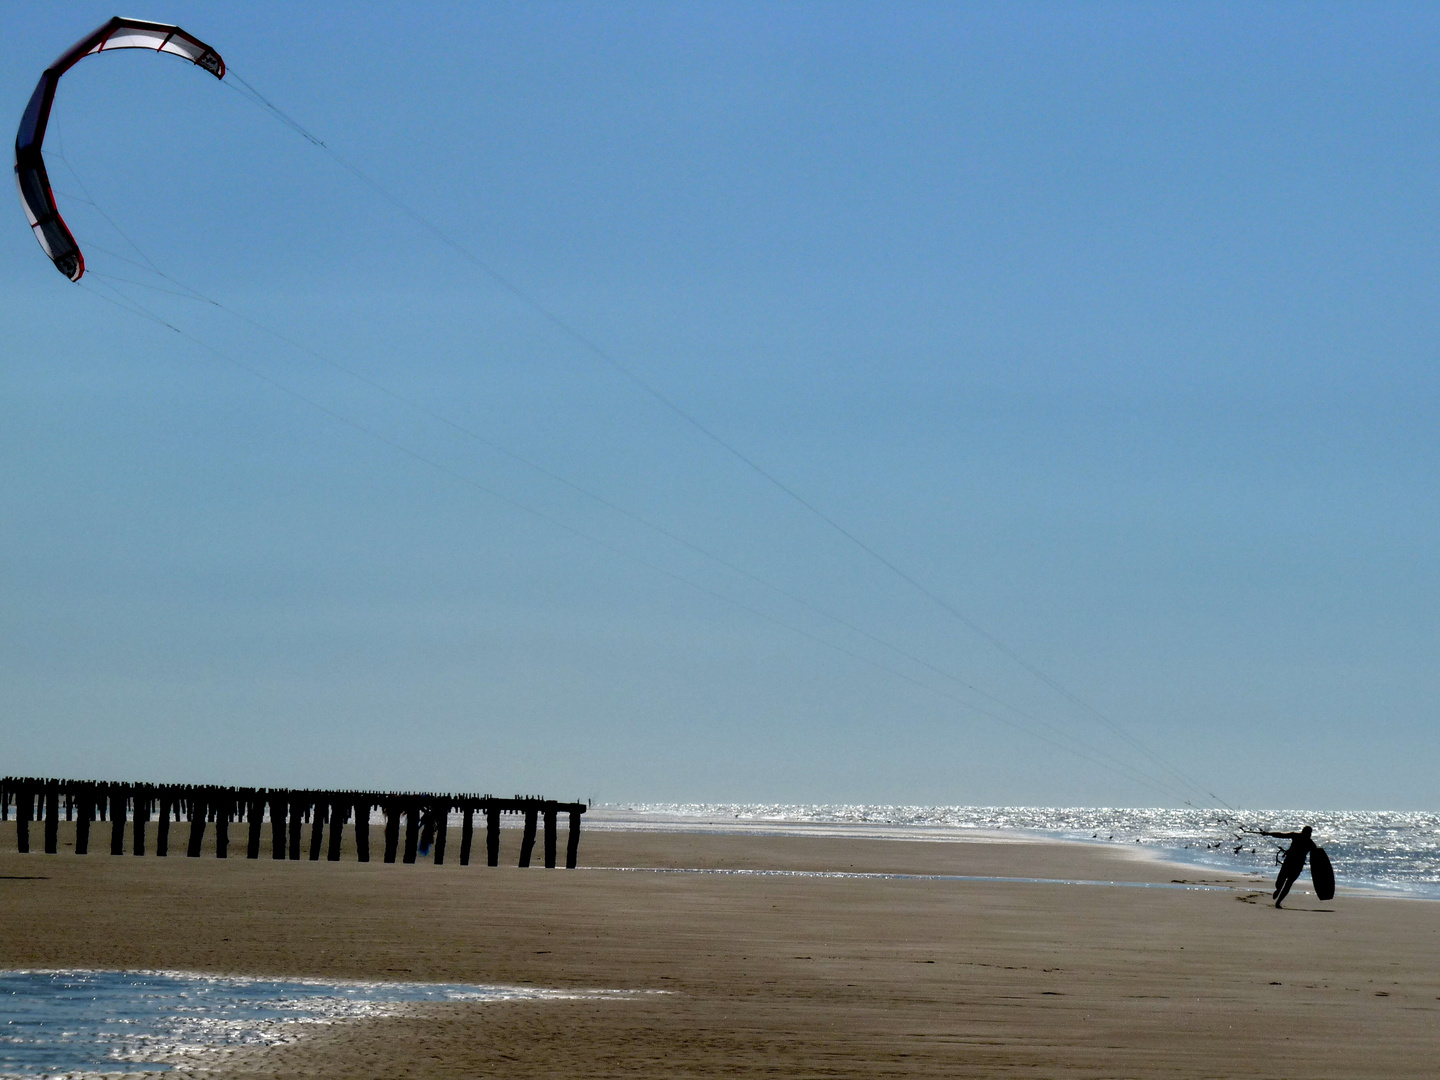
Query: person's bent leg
x=1284, y=889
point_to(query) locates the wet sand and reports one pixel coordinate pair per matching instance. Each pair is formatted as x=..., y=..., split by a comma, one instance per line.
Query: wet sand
x=772, y=975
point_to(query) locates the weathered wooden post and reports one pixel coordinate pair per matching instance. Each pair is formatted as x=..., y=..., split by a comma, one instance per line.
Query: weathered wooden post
x=84, y=814
x=467, y=834
x=118, y=798
x=317, y=829
x=224, y=804
x=339, y=811
x=492, y=835
x=412, y=829
x=527, y=841
x=278, y=808
x=392, y=828
x=24, y=806
x=297, y=822
x=168, y=802
x=197, y=812
x=362, y=830
x=255, y=811
x=441, y=810
x=140, y=817
x=572, y=842
x=549, y=813
x=52, y=818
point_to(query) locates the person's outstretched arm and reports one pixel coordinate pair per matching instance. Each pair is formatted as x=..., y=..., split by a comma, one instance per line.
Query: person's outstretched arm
x=1280, y=835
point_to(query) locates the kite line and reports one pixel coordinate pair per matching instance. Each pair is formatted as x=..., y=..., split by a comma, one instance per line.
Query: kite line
x=246, y=90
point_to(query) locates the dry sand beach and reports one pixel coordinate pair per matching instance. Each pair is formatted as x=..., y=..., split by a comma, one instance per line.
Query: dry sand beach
x=775, y=975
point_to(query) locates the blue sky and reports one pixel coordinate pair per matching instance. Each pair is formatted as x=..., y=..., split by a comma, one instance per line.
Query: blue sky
x=1113, y=325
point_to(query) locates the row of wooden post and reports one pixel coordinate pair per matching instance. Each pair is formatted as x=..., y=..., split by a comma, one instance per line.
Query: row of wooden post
x=425, y=817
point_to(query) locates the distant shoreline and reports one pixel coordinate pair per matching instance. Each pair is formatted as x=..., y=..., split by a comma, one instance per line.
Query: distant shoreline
x=1183, y=853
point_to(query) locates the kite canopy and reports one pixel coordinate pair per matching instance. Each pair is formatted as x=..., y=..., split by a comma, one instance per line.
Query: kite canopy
x=30, y=172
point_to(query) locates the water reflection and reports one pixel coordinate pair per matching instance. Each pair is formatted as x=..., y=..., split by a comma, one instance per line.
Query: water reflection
x=69, y=1023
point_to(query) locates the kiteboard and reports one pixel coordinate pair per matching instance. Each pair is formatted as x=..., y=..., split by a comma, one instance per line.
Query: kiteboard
x=1322, y=874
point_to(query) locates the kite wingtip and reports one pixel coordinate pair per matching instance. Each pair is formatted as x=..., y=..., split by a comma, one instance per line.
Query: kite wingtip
x=71, y=264
x=210, y=60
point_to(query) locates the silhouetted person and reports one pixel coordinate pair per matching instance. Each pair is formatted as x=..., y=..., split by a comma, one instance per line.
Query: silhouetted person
x=1294, y=862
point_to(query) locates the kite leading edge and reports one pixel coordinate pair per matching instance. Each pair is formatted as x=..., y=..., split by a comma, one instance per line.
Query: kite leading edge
x=30, y=175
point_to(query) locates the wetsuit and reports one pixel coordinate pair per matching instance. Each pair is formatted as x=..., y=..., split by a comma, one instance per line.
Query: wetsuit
x=1294, y=862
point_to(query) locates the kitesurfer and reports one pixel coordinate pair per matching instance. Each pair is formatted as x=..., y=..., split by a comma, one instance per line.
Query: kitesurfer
x=1300, y=848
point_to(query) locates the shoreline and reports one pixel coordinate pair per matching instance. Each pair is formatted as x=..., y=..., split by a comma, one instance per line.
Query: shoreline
x=608, y=818
x=645, y=828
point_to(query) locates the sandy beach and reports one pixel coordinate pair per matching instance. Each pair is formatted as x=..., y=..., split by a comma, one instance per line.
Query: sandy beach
x=775, y=975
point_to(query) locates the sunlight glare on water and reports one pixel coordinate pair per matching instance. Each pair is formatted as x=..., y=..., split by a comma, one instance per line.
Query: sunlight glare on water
x=1395, y=851
x=79, y=1023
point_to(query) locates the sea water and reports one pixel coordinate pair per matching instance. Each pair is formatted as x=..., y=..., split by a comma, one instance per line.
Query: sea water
x=1392, y=851
x=85, y=1023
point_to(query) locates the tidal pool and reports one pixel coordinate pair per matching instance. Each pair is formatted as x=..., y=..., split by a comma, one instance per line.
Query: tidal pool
x=79, y=1023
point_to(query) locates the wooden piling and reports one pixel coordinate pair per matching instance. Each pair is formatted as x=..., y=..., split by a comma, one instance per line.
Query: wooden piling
x=255, y=812
x=467, y=834
x=338, y=813
x=84, y=814
x=139, y=817
x=197, y=813
x=24, y=806
x=392, y=829
x=168, y=804
x=572, y=842
x=441, y=811
x=492, y=836
x=118, y=799
x=297, y=822
x=278, y=809
x=527, y=840
x=412, y=829
x=317, y=829
x=224, y=808
x=549, y=814
x=52, y=821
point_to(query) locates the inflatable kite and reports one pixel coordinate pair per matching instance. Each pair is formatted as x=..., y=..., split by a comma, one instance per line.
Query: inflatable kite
x=30, y=174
